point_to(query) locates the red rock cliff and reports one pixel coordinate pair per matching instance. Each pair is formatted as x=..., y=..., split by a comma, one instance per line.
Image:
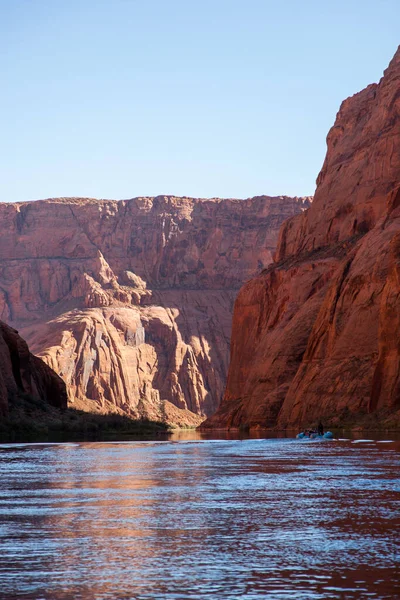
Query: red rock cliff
x=317, y=334
x=22, y=373
x=131, y=301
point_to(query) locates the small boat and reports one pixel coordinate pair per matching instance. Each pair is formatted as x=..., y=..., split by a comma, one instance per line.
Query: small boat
x=328, y=435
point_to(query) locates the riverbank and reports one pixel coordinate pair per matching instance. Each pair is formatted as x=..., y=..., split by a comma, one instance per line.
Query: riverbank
x=30, y=420
x=380, y=421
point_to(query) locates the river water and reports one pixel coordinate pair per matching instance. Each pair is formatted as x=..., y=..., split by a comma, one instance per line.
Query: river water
x=200, y=518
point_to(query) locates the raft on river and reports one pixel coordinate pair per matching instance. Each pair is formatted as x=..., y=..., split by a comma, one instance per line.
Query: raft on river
x=315, y=436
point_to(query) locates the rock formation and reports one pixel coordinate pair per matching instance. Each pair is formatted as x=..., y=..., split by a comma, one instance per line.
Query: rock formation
x=130, y=302
x=21, y=373
x=316, y=335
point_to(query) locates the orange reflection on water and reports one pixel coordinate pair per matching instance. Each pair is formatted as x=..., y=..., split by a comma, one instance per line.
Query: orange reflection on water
x=200, y=519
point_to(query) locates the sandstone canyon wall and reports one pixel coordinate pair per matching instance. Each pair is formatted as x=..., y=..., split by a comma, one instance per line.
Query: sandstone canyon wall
x=130, y=302
x=317, y=334
x=22, y=373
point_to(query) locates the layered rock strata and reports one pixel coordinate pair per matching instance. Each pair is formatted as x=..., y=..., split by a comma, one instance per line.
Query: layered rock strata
x=316, y=335
x=130, y=302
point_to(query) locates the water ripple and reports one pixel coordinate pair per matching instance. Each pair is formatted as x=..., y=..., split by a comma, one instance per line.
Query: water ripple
x=222, y=519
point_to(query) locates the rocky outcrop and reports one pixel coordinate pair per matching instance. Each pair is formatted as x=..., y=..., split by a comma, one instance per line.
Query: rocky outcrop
x=130, y=302
x=21, y=374
x=316, y=335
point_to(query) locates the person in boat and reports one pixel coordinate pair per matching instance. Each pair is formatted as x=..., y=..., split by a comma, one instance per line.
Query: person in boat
x=320, y=428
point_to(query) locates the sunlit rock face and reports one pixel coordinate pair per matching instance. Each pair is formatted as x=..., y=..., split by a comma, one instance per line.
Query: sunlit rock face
x=130, y=302
x=316, y=335
x=23, y=374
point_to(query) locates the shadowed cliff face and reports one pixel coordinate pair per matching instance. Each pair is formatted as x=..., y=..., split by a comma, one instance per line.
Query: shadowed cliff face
x=131, y=301
x=21, y=373
x=317, y=334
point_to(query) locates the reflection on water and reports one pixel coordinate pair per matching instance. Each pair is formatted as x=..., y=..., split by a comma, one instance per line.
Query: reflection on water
x=197, y=519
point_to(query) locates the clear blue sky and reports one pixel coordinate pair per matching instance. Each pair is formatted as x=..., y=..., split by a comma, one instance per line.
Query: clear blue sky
x=230, y=98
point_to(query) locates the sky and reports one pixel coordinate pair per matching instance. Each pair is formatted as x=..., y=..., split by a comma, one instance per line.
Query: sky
x=203, y=98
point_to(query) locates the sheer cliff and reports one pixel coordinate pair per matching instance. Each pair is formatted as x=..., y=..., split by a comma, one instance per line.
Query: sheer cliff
x=316, y=334
x=130, y=302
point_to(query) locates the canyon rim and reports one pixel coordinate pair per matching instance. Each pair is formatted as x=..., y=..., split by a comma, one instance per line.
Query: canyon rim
x=130, y=302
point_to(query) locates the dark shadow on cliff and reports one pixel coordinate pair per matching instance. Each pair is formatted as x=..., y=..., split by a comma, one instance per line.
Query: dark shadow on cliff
x=31, y=420
x=201, y=313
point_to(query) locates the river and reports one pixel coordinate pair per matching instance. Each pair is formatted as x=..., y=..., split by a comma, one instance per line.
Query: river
x=195, y=518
